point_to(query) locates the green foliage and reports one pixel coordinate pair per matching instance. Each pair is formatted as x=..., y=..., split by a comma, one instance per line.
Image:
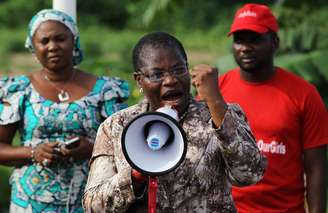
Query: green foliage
x=301, y=33
x=105, y=12
x=225, y=63
x=10, y=10
x=301, y=39
x=312, y=67
x=14, y=41
x=313, y=4
x=108, y=12
x=11, y=41
x=189, y=14
x=4, y=187
x=304, y=44
x=170, y=15
x=153, y=8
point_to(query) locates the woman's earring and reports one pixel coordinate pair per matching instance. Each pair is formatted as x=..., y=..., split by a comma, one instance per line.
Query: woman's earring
x=35, y=58
x=141, y=90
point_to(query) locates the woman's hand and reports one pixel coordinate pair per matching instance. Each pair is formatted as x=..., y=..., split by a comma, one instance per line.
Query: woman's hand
x=205, y=79
x=81, y=152
x=45, y=153
x=138, y=177
x=139, y=182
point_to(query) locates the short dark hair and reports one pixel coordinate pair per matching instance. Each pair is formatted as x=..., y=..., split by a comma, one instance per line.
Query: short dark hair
x=155, y=40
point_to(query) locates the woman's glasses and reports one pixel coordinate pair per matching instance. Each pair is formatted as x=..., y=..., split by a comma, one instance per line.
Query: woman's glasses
x=158, y=75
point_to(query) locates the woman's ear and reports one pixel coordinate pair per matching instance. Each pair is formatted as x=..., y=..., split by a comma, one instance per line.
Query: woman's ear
x=137, y=78
x=35, y=58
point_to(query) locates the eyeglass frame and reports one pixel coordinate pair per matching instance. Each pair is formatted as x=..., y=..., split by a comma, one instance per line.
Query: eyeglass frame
x=164, y=73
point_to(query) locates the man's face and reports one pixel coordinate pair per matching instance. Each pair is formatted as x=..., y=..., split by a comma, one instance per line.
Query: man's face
x=252, y=50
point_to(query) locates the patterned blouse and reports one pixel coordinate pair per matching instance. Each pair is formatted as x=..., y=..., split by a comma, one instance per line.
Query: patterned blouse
x=216, y=158
x=40, y=121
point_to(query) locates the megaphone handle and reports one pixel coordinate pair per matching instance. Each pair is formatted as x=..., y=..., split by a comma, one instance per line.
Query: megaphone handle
x=152, y=190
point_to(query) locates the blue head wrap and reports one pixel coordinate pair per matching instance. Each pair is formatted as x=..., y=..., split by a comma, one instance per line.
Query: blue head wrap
x=55, y=15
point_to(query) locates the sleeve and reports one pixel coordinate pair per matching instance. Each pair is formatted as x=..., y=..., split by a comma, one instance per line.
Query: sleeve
x=245, y=164
x=12, y=92
x=314, y=121
x=115, y=93
x=109, y=186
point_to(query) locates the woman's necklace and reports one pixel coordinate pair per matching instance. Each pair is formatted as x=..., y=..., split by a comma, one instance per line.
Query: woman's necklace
x=182, y=117
x=62, y=95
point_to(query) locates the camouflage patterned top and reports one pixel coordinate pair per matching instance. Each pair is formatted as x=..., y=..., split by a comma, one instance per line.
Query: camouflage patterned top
x=215, y=159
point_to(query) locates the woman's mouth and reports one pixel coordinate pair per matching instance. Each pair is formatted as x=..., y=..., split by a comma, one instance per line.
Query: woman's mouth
x=172, y=96
x=54, y=58
x=176, y=99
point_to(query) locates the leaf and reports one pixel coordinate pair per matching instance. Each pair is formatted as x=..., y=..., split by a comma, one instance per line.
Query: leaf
x=153, y=8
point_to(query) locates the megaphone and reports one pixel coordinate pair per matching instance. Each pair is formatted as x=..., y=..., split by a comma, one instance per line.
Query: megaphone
x=154, y=143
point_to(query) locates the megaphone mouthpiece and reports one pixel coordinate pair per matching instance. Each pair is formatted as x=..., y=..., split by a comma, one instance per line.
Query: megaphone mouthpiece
x=158, y=135
x=169, y=111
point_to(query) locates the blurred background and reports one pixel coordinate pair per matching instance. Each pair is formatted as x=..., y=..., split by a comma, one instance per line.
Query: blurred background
x=110, y=28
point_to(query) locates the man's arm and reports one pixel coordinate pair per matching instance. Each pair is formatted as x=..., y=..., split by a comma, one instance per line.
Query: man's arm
x=314, y=136
x=314, y=163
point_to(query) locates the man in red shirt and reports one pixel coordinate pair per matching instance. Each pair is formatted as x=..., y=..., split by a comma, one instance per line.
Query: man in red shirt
x=287, y=117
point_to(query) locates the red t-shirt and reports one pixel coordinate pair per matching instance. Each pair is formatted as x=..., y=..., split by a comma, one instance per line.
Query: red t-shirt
x=286, y=115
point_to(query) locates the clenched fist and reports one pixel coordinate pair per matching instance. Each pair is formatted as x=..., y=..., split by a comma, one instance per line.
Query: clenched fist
x=205, y=79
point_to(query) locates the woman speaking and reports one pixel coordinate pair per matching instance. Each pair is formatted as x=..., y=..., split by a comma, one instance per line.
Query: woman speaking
x=221, y=149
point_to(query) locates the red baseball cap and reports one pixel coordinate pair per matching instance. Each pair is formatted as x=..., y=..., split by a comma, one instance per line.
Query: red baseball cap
x=254, y=17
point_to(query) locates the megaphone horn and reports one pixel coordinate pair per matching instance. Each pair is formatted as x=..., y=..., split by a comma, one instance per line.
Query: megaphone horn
x=154, y=143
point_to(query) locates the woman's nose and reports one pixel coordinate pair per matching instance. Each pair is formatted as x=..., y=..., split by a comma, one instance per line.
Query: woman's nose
x=169, y=79
x=52, y=46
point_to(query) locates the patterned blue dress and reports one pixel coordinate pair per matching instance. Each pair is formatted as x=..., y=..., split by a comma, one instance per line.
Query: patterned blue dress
x=58, y=188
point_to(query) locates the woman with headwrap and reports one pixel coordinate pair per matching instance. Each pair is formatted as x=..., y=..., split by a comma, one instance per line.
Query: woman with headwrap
x=49, y=107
